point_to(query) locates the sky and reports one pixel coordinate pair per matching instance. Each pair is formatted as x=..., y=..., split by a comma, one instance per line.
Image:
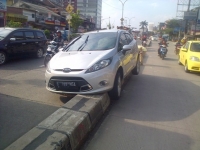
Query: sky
x=135, y=11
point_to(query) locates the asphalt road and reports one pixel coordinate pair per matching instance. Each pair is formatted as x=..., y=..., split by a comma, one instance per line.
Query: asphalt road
x=24, y=100
x=159, y=109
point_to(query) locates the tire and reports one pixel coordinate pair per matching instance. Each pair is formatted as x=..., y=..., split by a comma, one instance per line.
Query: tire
x=179, y=61
x=115, y=93
x=186, y=67
x=39, y=53
x=162, y=56
x=136, y=70
x=47, y=58
x=3, y=58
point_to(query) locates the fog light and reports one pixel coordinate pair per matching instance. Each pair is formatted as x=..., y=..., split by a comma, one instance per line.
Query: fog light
x=103, y=83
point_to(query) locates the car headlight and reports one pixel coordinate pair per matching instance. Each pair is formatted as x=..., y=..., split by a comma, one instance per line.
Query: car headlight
x=99, y=65
x=193, y=58
x=48, y=69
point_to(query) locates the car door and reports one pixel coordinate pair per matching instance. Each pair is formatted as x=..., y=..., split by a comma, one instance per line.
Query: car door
x=124, y=57
x=184, y=50
x=16, y=44
x=132, y=53
x=30, y=42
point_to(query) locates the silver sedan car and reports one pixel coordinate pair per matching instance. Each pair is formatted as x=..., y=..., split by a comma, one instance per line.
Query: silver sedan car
x=95, y=62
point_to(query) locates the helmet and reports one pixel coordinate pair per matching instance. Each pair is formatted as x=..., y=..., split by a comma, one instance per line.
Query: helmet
x=58, y=31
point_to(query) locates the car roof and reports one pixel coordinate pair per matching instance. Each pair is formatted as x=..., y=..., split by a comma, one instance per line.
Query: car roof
x=13, y=29
x=103, y=31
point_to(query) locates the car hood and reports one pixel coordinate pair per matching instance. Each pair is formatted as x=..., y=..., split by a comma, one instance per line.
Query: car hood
x=196, y=54
x=78, y=59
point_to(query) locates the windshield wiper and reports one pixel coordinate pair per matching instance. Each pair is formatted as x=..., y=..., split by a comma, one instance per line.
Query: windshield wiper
x=66, y=49
x=83, y=45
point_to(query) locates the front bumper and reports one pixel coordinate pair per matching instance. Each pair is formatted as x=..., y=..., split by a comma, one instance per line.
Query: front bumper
x=194, y=66
x=86, y=83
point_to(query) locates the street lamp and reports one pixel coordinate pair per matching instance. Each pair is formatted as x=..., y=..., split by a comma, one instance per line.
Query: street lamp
x=122, y=19
x=129, y=21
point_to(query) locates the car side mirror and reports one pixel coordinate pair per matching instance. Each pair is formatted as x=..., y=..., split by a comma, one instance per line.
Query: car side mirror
x=126, y=48
x=12, y=39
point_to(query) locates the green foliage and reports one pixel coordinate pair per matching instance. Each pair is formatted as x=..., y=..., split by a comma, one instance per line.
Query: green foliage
x=14, y=24
x=47, y=33
x=172, y=23
x=76, y=21
x=169, y=31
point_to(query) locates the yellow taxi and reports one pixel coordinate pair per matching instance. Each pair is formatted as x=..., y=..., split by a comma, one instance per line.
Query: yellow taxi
x=189, y=56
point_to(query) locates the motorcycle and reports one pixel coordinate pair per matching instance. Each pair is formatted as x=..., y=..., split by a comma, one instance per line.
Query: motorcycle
x=177, y=48
x=163, y=51
x=51, y=51
x=144, y=43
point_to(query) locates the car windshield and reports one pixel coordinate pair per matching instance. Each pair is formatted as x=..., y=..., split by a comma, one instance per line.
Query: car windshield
x=4, y=33
x=93, y=42
x=195, y=47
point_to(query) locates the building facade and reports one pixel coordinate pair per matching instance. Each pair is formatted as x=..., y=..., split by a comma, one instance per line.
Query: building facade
x=91, y=9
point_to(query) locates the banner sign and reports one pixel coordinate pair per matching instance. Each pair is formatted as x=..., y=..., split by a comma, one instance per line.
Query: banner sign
x=3, y=5
x=190, y=15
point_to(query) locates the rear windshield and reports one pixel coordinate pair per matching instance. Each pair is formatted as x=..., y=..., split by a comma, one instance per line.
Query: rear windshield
x=4, y=33
x=195, y=47
x=93, y=42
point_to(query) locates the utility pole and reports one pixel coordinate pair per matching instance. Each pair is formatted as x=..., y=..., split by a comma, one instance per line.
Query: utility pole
x=186, y=21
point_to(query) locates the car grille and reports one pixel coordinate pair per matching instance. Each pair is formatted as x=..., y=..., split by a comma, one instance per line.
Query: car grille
x=56, y=84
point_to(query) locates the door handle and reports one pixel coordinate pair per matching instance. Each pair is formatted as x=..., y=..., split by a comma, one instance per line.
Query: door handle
x=36, y=42
x=23, y=43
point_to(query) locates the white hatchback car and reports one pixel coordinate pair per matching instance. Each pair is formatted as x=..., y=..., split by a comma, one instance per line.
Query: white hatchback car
x=95, y=62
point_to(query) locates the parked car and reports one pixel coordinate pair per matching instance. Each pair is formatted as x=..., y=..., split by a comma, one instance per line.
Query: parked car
x=21, y=42
x=95, y=62
x=189, y=56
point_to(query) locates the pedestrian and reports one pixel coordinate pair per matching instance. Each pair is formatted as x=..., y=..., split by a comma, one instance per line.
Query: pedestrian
x=142, y=52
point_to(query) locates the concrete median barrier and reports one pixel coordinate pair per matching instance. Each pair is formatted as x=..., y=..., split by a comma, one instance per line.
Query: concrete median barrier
x=67, y=127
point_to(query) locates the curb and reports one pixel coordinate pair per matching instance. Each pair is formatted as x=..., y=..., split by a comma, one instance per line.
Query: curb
x=67, y=127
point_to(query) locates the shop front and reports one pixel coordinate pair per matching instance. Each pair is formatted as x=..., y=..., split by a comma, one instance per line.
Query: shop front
x=16, y=17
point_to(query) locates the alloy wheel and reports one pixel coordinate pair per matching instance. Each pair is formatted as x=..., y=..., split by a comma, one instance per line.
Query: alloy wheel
x=39, y=53
x=119, y=85
x=2, y=58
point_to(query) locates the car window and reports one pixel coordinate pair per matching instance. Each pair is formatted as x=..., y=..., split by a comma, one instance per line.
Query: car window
x=195, y=47
x=39, y=35
x=29, y=35
x=187, y=45
x=18, y=36
x=129, y=38
x=122, y=42
x=93, y=42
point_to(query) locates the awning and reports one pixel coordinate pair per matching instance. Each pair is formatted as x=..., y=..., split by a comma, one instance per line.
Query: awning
x=16, y=17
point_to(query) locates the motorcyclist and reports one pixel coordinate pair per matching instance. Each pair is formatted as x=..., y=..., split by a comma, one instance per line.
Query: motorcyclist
x=142, y=52
x=144, y=38
x=163, y=42
x=59, y=39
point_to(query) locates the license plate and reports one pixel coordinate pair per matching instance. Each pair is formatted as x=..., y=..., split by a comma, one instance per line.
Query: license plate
x=66, y=84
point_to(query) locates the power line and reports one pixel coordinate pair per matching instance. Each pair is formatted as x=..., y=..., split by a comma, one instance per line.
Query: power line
x=111, y=5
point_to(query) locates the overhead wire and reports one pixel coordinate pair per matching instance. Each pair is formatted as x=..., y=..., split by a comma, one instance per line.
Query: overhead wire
x=111, y=5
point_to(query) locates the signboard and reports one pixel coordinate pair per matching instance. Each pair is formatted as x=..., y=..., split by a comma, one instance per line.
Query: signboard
x=69, y=8
x=3, y=5
x=190, y=15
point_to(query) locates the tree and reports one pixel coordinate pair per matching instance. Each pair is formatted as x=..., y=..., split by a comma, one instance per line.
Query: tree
x=143, y=25
x=14, y=24
x=76, y=21
x=172, y=23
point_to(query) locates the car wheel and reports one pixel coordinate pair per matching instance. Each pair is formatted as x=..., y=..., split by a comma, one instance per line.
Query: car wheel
x=39, y=53
x=179, y=61
x=115, y=93
x=3, y=58
x=136, y=70
x=186, y=68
